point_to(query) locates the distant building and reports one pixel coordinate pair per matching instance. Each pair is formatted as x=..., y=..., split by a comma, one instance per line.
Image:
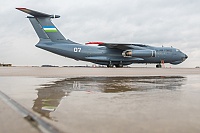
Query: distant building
x=48, y=66
x=5, y=65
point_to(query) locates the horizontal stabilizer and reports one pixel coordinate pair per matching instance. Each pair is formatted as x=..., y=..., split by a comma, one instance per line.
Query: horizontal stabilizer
x=37, y=14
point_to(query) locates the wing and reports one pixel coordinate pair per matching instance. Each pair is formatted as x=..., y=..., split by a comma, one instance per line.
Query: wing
x=122, y=46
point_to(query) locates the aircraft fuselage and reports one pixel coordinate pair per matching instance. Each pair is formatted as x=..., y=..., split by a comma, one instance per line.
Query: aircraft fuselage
x=105, y=56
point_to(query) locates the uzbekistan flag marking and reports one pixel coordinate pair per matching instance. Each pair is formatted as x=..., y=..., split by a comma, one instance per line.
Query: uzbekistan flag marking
x=49, y=28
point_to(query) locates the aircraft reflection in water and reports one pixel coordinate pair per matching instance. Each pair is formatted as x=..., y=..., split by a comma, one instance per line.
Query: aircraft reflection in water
x=49, y=97
x=122, y=84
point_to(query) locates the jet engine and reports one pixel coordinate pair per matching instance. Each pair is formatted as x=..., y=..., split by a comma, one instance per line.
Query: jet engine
x=139, y=53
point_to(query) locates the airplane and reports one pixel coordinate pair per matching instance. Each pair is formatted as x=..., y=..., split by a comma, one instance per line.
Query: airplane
x=110, y=54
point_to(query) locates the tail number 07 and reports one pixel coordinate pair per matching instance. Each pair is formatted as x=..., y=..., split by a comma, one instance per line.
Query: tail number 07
x=77, y=49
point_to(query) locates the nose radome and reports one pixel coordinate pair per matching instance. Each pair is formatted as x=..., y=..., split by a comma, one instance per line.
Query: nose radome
x=186, y=56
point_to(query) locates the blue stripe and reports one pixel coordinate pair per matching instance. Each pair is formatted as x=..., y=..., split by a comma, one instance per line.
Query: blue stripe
x=48, y=27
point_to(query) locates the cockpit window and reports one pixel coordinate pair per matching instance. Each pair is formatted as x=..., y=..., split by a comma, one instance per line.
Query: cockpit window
x=177, y=50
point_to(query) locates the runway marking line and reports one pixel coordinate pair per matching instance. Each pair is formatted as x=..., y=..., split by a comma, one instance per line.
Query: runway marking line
x=34, y=120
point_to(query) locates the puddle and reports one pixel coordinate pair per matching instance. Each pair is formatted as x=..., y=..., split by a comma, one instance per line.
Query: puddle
x=111, y=104
x=49, y=97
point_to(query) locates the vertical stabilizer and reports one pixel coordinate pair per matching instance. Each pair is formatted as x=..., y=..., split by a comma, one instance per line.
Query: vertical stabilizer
x=43, y=26
x=38, y=28
x=51, y=31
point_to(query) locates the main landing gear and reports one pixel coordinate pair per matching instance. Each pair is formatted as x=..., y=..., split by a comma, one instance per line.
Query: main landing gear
x=120, y=65
x=117, y=65
x=110, y=65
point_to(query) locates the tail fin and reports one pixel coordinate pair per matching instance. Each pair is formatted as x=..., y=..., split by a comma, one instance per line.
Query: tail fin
x=43, y=26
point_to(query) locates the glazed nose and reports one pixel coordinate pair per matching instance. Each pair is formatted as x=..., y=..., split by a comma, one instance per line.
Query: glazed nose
x=186, y=56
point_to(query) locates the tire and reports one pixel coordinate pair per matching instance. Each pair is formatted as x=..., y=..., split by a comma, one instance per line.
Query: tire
x=158, y=66
x=110, y=65
x=119, y=65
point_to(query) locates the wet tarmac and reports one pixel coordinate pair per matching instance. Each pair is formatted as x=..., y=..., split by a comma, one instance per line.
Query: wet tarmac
x=111, y=104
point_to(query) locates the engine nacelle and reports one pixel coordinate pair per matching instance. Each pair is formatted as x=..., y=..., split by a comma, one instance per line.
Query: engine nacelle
x=139, y=53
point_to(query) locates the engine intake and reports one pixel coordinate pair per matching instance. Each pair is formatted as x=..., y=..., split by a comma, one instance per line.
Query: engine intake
x=139, y=53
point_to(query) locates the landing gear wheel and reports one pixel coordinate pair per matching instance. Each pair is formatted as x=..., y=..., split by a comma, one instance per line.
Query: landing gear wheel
x=110, y=65
x=119, y=65
x=158, y=66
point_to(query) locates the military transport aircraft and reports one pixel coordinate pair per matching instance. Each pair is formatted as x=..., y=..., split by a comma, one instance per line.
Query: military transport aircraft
x=110, y=54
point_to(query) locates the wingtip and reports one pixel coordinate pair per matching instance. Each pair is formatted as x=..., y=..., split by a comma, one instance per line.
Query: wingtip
x=20, y=8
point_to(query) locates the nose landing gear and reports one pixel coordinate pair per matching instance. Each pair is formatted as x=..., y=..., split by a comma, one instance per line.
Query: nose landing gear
x=158, y=66
x=161, y=64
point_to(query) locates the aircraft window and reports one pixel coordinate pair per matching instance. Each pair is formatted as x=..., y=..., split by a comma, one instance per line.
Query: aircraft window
x=177, y=50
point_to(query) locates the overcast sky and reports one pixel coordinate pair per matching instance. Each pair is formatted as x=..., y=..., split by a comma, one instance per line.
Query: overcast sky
x=154, y=22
